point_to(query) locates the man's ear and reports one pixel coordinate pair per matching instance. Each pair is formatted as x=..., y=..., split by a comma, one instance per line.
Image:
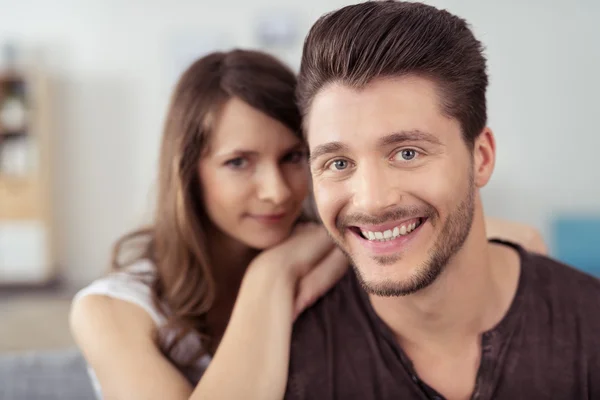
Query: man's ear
x=484, y=157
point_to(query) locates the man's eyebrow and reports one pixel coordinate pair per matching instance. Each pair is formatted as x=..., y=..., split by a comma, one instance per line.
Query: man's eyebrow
x=408, y=136
x=326, y=148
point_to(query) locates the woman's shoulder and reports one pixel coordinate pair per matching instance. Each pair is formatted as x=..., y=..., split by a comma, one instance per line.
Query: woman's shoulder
x=109, y=329
x=119, y=309
x=131, y=285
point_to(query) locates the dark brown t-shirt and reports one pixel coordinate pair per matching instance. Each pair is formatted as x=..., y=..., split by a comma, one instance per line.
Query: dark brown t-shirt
x=547, y=346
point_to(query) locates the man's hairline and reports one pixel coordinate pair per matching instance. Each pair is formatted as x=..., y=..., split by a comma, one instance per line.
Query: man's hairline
x=362, y=85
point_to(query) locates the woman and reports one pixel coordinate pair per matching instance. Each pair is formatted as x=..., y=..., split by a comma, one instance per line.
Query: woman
x=218, y=276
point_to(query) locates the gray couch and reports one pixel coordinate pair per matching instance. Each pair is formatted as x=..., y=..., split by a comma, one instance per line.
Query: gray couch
x=48, y=375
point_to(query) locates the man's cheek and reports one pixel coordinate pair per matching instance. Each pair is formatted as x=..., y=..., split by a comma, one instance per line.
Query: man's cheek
x=327, y=205
x=439, y=187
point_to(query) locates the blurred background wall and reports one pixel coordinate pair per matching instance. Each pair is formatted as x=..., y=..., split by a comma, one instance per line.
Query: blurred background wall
x=112, y=65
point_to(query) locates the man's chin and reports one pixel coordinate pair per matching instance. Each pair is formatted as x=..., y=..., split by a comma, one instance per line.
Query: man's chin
x=388, y=284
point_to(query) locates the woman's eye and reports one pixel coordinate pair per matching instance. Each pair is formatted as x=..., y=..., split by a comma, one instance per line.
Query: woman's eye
x=237, y=163
x=407, y=154
x=339, y=165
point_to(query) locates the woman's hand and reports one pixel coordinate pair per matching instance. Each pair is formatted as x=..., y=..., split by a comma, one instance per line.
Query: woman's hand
x=315, y=281
x=310, y=262
x=522, y=234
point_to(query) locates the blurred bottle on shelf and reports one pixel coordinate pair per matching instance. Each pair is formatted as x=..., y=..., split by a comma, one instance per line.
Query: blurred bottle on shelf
x=15, y=143
x=13, y=105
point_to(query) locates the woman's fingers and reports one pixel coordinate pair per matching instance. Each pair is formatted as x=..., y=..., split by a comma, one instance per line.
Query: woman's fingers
x=523, y=234
x=307, y=247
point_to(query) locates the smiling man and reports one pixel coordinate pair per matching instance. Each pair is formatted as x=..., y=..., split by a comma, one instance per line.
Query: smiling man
x=394, y=99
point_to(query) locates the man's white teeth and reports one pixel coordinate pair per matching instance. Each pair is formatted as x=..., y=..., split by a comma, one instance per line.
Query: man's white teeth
x=391, y=233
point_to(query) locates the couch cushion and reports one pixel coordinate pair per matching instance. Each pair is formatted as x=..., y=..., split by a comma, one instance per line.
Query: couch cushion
x=45, y=375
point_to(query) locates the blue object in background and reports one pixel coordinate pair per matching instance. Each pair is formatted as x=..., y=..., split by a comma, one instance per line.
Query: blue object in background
x=576, y=241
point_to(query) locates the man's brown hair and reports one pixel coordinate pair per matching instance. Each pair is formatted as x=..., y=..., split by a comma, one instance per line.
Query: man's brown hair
x=385, y=39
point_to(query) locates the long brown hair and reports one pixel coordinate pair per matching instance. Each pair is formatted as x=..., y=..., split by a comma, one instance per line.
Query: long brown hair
x=176, y=243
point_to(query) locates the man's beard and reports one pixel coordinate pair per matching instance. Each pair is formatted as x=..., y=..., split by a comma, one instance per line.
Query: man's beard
x=450, y=240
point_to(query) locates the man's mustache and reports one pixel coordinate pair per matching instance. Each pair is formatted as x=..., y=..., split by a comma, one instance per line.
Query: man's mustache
x=344, y=222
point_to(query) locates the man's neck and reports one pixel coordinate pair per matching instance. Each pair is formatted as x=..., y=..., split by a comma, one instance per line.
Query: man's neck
x=471, y=296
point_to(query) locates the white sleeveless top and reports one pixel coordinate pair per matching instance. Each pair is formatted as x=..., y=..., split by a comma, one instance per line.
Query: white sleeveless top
x=134, y=286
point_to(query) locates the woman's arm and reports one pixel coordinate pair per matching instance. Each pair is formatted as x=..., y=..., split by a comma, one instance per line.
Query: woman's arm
x=253, y=356
x=117, y=339
x=251, y=362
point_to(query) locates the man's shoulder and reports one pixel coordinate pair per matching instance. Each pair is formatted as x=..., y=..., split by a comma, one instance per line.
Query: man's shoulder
x=562, y=304
x=341, y=302
x=559, y=283
x=331, y=341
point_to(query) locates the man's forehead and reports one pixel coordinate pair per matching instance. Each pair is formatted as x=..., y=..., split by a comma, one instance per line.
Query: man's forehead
x=341, y=113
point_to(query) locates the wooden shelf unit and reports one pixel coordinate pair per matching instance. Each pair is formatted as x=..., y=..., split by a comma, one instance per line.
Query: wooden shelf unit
x=27, y=250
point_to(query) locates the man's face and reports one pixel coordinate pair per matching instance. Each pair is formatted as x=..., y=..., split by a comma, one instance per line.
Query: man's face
x=394, y=181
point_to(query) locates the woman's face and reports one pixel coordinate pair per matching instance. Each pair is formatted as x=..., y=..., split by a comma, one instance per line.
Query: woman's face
x=254, y=176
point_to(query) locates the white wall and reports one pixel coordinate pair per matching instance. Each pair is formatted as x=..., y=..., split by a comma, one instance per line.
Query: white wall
x=112, y=66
